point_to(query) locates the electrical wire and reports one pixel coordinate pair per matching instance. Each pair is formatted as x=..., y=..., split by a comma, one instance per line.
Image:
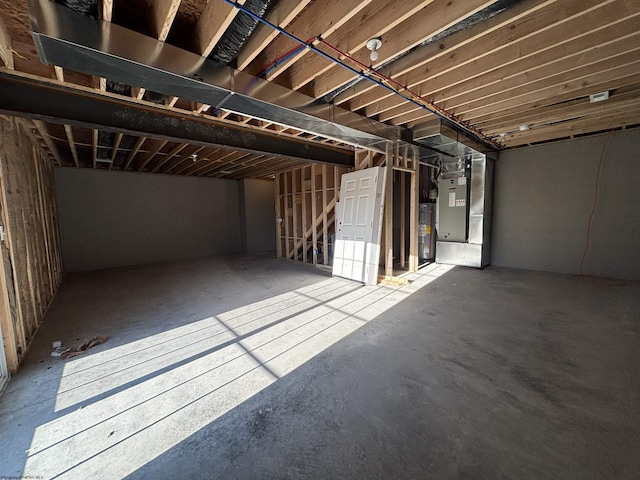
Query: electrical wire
x=422, y=103
x=284, y=57
x=595, y=202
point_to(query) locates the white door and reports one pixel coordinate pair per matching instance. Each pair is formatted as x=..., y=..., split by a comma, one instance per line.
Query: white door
x=359, y=225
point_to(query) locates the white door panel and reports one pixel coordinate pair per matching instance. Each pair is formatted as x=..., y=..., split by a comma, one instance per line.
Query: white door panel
x=359, y=222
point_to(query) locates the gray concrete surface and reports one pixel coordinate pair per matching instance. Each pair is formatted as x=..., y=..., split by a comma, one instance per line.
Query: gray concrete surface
x=112, y=219
x=249, y=367
x=544, y=195
x=258, y=213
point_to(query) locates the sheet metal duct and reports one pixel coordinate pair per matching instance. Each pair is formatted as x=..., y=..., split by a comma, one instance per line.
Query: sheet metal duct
x=74, y=41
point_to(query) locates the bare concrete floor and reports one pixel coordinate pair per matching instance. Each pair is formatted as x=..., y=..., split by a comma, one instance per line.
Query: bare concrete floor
x=249, y=367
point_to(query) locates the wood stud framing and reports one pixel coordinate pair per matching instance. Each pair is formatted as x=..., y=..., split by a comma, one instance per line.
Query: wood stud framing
x=30, y=259
x=534, y=63
x=306, y=198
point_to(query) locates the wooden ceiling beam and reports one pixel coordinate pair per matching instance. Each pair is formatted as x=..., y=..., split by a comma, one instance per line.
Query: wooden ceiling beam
x=621, y=38
x=569, y=89
x=134, y=151
x=213, y=22
x=164, y=12
x=190, y=166
x=322, y=17
x=114, y=148
x=276, y=166
x=484, y=117
x=236, y=166
x=175, y=151
x=41, y=127
x=157, y=146
x=223, y=162
x=578, y=127
x=183, y=160
x=428, y=22
x=510, y=42
x=6, y=50
x=373, y=21
x=282, y=14
x=504, y=61
x=445, y=47
x=514, y=90
x=620, y=99
x=521, y=90
x=72, y=145
x=616, y=38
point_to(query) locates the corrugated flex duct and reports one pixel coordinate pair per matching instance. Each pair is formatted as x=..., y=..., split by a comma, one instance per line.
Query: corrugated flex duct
x=238, y=32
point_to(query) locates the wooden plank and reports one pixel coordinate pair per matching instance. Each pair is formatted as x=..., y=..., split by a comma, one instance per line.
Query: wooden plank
x=116, y=145
x=214, y=21
x=281, y=14
x=426, y=23
x=619, y=76
x=613, y=40
x=322, y=17
x=414, y=212
x=287, y=200
x=159, y=145
x=134, y=152
x=6, y=50
x=403, y=207
x=452, y=51
x=44, y=134
x=325, y=217
x=303, y=206
x=585, y=125
x=554, y=113
x=314, y=214
x=279, y=219
x=374, y=20
x=164, y=11
x=540, y=31
x=175, y=151
x=294, y=196
x=388, y=214
x=72, y=144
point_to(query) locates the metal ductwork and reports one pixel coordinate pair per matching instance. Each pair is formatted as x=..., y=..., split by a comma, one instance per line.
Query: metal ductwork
x=74, y=41
x=465, y=192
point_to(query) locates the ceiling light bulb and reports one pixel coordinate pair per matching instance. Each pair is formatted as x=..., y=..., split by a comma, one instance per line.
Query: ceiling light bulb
x=374, y=44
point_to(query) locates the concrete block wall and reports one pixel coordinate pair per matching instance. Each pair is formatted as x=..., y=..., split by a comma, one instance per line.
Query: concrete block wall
x=544, y=196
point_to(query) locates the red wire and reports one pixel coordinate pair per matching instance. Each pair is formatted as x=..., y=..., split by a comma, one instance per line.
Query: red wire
x=400, y=87
x=595, y=202
x=271, y=64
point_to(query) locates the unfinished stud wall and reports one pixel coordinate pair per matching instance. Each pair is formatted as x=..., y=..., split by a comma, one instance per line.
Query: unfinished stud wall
x=113, y=219
x=305, y=212
x=305, y=209
x=544, y=196
x=31, y=263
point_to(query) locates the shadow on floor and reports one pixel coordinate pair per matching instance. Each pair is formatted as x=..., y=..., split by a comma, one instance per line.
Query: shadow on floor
x=284, y=373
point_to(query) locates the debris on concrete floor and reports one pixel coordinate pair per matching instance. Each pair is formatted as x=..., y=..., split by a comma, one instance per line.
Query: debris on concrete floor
x=85, y=345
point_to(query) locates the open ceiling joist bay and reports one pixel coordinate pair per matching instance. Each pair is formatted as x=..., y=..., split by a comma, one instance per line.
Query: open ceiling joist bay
x=515, y=72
